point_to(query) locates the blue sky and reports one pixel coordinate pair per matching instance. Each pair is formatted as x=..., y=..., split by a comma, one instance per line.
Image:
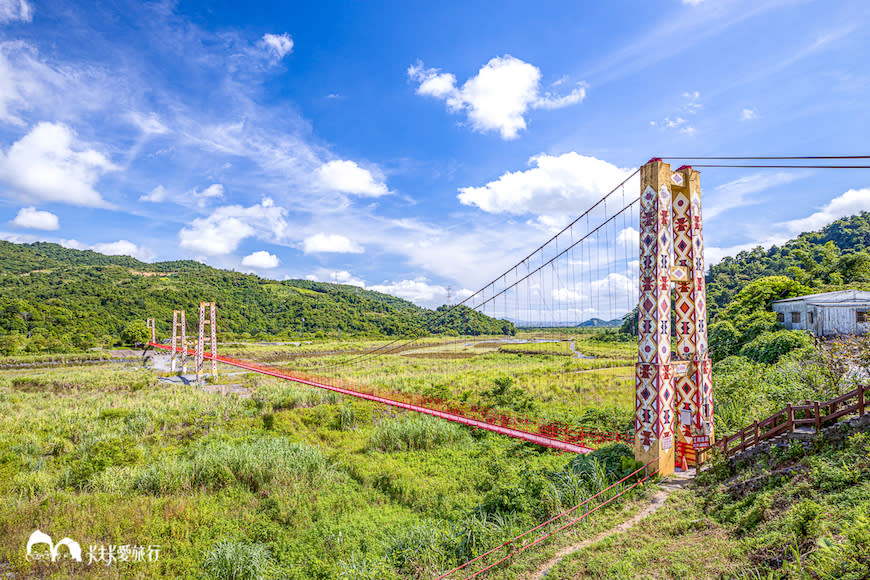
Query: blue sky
x=412, y=146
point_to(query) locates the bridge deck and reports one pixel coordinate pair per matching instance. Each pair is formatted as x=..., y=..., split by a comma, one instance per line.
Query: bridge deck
x=536, y=438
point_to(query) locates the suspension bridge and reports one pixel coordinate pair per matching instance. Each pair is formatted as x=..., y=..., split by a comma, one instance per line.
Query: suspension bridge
x=640, y=248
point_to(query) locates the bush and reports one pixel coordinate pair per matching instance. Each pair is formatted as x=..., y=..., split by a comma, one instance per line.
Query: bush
x=769, y=347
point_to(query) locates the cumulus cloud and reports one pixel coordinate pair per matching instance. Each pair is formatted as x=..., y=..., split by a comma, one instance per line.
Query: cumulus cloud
x=850, y=203
x=348, y=177
x=12, y=10
x=222, y=231
x=629, y=237
x=336, y=277
x=32, y=218
x=417, y=290
x=498, y=97
x=278, y=45
x=335, y=243
x=748, y=114
x=555, y=185
x=156, y=195
x=119, y=248
x=261, y=260
x=47, y=165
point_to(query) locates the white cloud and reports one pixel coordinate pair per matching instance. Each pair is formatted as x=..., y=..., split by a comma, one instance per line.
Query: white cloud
x=692, y=2
x=498, y=97
x=556, y=185
x=46, y=166
x=748, y=114
x=850, y=203
x=222, y=231
x=156, y=195
x=279, y=45
x=734, y=193
x=124, y=248
x=336, y=277
x=691, y=104
x=348, y=177
x=149, y=124
x=261, y=260
x=11, y=10
x=335, y=243
x=32, y=218
x=17, y=238
x=629, y=237
x=119, y=248
x=212, y=191
x=418, y=291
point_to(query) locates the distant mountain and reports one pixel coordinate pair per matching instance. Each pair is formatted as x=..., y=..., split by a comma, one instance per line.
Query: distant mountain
x=591, y=323
x=598, y=323
x=51, y=297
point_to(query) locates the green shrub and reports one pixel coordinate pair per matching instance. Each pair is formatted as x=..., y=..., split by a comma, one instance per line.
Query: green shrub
x=99, y=454
x=769, y=347
x=237, y=561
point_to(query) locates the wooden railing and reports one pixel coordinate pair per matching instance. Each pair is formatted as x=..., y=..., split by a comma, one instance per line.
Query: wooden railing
x=812, y=414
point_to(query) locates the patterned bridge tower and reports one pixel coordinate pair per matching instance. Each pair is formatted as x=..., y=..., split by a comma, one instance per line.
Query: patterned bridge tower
x=654, y=396
x=691, y=369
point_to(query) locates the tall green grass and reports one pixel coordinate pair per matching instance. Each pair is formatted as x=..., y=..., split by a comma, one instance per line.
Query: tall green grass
x=414, y=432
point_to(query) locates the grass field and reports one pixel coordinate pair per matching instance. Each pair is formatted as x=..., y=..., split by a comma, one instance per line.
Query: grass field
x=279, y=480
x=291, y=481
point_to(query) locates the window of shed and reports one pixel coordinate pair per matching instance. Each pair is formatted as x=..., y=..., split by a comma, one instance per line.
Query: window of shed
x=780, y=317
x=860, y=316
x=795, y=317
x=810, y=317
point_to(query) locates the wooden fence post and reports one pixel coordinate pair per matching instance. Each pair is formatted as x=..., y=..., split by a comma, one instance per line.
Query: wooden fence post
x=818, y=416
x=790, y=418
x=860, y=400
x=757, y=441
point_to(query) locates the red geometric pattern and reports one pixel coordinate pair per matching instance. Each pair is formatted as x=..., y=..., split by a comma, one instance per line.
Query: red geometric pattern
x=671, y=222
x=654, y=392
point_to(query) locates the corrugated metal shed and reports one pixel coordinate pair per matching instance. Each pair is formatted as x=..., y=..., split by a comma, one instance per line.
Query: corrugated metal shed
x=826, y=314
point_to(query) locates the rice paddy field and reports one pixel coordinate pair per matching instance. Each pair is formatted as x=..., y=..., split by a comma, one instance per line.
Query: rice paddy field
x=252, y=477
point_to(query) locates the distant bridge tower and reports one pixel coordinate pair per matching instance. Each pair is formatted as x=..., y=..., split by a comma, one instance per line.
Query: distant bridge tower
x=150, y=324
x=673, y=395
x=179, y=331
x=211, y=321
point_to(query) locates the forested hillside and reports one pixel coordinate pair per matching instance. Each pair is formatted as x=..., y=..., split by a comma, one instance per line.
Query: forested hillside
x=836, y=255
x=52, y=298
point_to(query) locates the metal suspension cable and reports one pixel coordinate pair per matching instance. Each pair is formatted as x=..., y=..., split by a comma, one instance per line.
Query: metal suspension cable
x=562, y=231
x=449, y=310
x=769, y=157
x=563, y=252
x=785, y=166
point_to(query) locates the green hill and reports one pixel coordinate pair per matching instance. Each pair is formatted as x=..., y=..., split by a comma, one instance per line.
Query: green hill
x=53, y=297
x=838, y=255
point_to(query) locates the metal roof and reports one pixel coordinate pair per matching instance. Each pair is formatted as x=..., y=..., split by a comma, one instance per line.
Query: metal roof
x=839, y=298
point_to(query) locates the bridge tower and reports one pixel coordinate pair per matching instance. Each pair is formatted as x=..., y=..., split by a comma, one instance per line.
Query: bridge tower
x=179, y=331
x=673, y=391
x=200, y=344
x=151, y=326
